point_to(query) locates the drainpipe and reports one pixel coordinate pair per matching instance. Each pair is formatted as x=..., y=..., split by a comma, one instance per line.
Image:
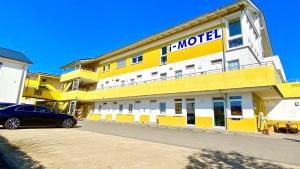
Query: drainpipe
x=223, y=45
x=21, y=84
x=226, y=108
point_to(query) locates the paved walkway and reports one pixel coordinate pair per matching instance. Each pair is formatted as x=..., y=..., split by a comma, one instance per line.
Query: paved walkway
x=99, y=145
x=282, y=148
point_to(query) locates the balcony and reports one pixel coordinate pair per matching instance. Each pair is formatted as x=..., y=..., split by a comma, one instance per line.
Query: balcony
x=32, y=83
x=245, y=77
x=41, y=93
x=84, y=74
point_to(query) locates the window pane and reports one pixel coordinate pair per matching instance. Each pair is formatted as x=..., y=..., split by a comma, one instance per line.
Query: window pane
x=178, y=108
x=235, y=42
x=233, y=65
x=164, y=50
x=163, y=60
x=42, y=109
x=162, y=107
x=163, y=76
x=28, y=108
x=235, y=28
x=140, y=58
x=178, y=73
x=236, y=108
x=130, y=108
x=134, y=60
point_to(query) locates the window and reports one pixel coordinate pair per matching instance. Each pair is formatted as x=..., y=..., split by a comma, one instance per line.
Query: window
x=188, y=67
x=178, y=73
x=42, y=109
x=121, y=63
x=137, y=59
x=106, y=68
x=163, y=59
x=235, y=34
x=1, y=64
x=178, y=106
x=26, y=108
x=234, y=64
x=121, y=108
x=163, y=76
x=162, y=107
x=131, y=81
x=100, y=108
x=44, y=80
x=107, y=82
x=130, y=108
x=216, y=62
x=236, y=105
x=123, y=83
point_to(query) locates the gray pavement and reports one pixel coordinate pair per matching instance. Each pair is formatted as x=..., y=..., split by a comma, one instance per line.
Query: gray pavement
x=278, y=148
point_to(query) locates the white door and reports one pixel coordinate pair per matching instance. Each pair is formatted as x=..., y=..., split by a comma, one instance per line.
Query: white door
x=153, y=112
x=137, y=112
x=114, y=111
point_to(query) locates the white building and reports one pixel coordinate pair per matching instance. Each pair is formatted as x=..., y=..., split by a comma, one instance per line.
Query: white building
x=13, y=69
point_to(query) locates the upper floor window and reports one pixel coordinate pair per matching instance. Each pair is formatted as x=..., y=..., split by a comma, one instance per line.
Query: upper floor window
x=106, y=68
x=234, y=64
x=178, y=73
x=163, y=76
x=163, y=59
x=137, y=59
x=235, y=34
x=121, y=63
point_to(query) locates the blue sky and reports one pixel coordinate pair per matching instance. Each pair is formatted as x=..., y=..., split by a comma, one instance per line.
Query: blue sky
x=54, y=33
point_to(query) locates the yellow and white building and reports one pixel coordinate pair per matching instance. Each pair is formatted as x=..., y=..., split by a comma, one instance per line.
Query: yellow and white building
x=215, y=71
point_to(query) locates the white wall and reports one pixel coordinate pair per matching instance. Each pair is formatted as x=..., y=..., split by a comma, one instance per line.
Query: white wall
x=283, y=109
x=203, y=105
x=10, y=80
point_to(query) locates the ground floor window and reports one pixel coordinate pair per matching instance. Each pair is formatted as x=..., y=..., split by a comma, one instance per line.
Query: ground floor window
x=162, y=108
x=130, y=108
x=178, y=106
x=236, y=105
x=121, y=108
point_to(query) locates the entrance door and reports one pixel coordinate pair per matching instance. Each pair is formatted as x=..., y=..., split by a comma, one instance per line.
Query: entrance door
x=219, y=118
x=190, y=108
x=153, y=112
x=137, y=111
x=114, y=111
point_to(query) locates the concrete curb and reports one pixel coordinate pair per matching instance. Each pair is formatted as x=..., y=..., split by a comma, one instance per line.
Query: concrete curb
x=7, y=161
x=194, y=129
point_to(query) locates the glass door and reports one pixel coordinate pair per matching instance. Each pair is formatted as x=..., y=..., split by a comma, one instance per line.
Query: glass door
x=219, y=118
x=190, y=107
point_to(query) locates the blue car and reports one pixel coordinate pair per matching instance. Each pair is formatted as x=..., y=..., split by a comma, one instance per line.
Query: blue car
x=14, y=116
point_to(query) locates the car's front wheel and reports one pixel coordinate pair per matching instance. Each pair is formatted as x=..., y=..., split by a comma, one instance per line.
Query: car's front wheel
x=68, y=123
x=12, y=123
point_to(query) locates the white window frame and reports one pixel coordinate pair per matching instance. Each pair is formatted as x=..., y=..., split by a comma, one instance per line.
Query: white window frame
x=164, y=55
x=137, y=59
x=227, y=21
x=233, y=68
x=121, y=63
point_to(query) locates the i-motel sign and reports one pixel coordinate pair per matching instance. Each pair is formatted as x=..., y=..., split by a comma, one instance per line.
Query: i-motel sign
x=196, y=40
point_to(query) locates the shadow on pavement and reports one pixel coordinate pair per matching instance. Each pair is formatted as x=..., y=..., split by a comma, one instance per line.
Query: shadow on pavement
x=17, y=157
x=295, y=140
x=218, y=159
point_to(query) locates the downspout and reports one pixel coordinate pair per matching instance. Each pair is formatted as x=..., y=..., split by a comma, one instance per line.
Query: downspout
x=223, y=45
x=226, y=108
x=21, y=84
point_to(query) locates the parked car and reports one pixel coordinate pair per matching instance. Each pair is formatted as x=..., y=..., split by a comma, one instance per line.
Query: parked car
x=15, y=116
x=3, y=105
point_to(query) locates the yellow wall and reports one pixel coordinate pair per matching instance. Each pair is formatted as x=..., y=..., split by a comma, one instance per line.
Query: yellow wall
x=204, y=122
x=252, y=77
x=144, y=118
x=151, y=57
x=108, y=117
x=171, y=120
x=125, y=118
x=259, y=104
x=289, y=90
x=244, y=124
x=80, y=73
x=95, y=116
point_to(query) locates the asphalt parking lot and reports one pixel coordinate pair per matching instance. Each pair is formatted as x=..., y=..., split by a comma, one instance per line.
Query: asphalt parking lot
x=95, y=144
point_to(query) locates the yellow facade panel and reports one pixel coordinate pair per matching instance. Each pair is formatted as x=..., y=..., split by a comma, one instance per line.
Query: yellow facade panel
x=289, y=90
x=204, y=122
x=171, y=120
x=95, y=116
x=108, y=117
x=144, y=118
x=244, y=124
x=125, y=118
x=80, y=73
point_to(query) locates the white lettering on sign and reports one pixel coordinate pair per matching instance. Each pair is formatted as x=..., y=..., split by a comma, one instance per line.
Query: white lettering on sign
x=196, y=40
